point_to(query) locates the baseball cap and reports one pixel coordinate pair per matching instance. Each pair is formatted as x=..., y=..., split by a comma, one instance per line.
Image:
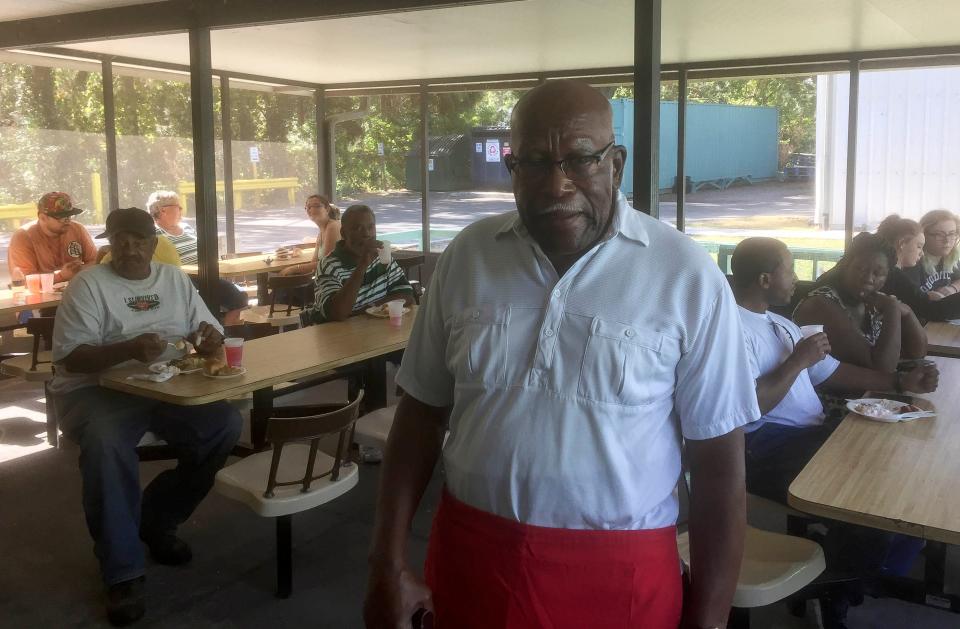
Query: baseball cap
x=57, y=205
x=129, y=219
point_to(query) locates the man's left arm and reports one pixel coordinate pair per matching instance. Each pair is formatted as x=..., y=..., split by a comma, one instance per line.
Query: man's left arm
x=206, y=334
x=717, y=524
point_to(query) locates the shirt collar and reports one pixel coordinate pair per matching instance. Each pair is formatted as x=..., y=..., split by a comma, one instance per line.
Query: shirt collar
x=626, y=222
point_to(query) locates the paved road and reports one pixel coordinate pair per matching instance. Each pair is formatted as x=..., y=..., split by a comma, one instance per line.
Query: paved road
x=267, y=229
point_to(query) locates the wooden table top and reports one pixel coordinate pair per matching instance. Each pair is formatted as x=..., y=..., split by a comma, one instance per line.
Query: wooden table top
x=26, y=300
x=274, y=359
x=902, y=477
x=943, y=339
x=253, y=264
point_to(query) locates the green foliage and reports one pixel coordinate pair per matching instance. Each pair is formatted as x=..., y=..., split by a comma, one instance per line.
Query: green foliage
x=51, y=125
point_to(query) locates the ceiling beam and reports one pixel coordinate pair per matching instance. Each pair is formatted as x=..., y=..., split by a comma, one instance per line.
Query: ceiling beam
x=172, y=16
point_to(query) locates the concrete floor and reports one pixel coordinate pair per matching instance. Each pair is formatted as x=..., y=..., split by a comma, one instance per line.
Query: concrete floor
x=49, y=577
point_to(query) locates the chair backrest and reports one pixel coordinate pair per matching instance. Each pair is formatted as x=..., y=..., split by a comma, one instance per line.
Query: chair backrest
x=293, y=286
x=40, y=328
x=308, y=424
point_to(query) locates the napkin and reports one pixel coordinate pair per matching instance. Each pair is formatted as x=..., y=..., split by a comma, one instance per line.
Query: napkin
x=160, y=374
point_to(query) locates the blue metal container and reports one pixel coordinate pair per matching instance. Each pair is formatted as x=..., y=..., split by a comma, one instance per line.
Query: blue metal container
x=724, y=142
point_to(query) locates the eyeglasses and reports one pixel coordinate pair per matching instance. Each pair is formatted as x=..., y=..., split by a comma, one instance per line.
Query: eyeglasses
x=942, y=235
x=575, y=167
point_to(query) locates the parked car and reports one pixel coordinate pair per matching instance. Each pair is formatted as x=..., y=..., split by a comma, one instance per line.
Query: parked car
x=800, y=167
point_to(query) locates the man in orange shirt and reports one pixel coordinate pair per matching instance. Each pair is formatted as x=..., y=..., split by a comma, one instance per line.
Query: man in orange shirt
x=53, y=244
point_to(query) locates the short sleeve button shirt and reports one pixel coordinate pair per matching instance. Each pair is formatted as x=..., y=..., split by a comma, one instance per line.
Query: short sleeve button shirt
x=569, y=395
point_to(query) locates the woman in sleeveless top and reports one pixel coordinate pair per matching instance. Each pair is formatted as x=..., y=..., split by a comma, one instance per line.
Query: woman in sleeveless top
x=326, y=216
x=865, y=326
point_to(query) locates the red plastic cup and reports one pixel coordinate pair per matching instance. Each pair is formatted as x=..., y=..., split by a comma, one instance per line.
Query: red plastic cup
x=233, y=351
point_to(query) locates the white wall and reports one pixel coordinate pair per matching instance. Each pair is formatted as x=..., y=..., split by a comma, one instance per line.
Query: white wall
x=908, y=144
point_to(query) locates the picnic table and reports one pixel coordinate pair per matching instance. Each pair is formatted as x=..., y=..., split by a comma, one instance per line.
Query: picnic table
x=26, y=301
x=281, y=358
x=943, y=339
x=261, y=264
x=902, y=477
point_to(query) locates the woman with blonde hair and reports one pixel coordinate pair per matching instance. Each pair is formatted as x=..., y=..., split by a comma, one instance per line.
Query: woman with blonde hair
x=938, y=273
x=326, y=216
x=907, y=239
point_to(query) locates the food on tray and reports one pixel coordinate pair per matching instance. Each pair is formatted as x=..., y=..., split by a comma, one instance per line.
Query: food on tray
x=884, y=408
x=217, y=367
x=382, y=309
x=180, y=345
x=188, y=363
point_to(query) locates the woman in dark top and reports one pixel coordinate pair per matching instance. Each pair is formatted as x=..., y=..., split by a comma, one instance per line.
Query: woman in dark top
x=938, y=273
x=865, y=327
x=907, y=239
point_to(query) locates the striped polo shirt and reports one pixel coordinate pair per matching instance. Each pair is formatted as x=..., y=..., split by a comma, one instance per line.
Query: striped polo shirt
x=334, y=270
x=186, y=243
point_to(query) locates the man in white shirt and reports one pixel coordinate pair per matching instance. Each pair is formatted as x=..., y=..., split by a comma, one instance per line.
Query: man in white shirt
x=786, y=368
x=572, y=345
x=131, y=310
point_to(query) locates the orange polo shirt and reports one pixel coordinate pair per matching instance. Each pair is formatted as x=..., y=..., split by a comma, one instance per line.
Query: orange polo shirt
x=34, y=252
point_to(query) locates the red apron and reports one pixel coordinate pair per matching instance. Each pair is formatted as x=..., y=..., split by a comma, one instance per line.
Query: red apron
x=487, y=572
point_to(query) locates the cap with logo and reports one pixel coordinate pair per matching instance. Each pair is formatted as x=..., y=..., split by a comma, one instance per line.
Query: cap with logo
x=57, y=205
x=129, y=219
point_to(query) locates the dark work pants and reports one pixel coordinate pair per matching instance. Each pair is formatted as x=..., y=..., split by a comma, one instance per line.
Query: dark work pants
x=776, y=454
x=108, y=425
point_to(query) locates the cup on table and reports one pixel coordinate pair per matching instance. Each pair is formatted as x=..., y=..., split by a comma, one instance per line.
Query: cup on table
x=233, y=351
x=395, y=308
x=33, y=283
x=385, y=255
x=809, y=330
x=46, y=282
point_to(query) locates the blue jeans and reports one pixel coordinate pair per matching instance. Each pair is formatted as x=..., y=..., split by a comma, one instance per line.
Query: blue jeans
x=108, y=425
x=776, y=454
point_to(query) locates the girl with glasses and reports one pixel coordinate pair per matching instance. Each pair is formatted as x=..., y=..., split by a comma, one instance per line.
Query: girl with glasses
x=908, y=241
x=938, y=273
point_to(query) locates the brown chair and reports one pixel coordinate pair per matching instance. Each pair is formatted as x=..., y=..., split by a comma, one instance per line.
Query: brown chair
x=296, y=290
x=408, y=261
x=295, y=433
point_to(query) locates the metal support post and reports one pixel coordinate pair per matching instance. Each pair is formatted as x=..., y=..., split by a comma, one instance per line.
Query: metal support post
x=646, y=103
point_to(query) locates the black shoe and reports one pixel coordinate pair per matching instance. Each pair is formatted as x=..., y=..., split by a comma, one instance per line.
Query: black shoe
x=125, y=604
x=168, y=549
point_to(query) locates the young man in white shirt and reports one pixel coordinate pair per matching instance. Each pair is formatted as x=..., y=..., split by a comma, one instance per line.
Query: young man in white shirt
x=786, y=368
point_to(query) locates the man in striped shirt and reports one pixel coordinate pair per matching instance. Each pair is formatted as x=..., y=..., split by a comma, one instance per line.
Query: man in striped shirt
x=352, y=277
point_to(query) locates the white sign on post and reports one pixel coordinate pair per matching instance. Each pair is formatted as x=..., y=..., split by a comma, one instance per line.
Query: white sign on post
x=493, y=150
x=430, y=164
x=380, y=148
x=479, y=147
x=254, y=154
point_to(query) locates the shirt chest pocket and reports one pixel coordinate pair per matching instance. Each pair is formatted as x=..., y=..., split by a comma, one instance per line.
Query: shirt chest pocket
x=477, y=348
x=626, y=365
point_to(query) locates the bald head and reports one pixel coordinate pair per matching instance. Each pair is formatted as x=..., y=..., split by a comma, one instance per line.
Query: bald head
x=571, y=101
x=566, y=169
x=755, y=256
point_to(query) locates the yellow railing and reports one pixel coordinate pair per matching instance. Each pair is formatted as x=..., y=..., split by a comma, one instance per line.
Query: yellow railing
x=292, y=184
x=17, y=213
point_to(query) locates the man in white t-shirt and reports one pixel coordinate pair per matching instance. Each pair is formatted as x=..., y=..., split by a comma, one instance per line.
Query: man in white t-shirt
x=134, y=310
x=570, y=362
x=786, y=368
